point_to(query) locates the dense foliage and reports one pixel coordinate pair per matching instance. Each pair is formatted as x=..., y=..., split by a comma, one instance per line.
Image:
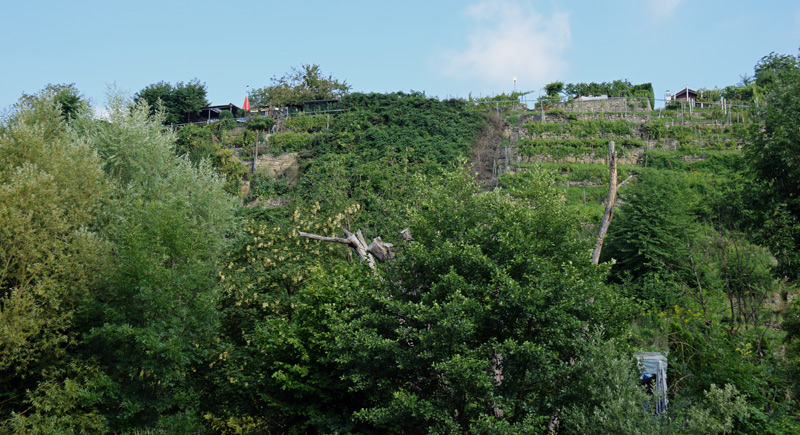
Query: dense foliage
x=370, y=153
x=474, y=327
x=139, y=295
x=306, y=83
x=67, y=96
x=180, y=102
x=51, y=188
x=616, y=88
x=107, y=290
x=774, y=155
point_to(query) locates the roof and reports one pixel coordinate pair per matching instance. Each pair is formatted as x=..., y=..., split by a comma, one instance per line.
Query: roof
x=685, y=91
x=230, y=106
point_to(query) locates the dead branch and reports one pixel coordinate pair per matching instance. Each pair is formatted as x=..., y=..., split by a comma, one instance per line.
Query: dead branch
x=625, y=181
x=376, y=250
x=605, y=222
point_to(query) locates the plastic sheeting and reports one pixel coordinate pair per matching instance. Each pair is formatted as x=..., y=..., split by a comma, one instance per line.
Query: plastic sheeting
x=653, y=367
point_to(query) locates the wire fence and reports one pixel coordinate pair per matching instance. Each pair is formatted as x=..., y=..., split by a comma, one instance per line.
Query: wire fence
x=278, y=114
x=625, y=106
x=682, y=110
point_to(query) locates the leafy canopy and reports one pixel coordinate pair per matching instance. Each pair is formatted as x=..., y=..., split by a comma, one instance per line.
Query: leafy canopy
x=773, y=153
x=306, y=83
x=51, y=189
x=154, y=321
x=67, y=96
x=480, y=314
x=181, y=102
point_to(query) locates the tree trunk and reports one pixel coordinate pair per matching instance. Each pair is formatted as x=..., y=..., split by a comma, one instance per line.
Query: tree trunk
x=605, y=222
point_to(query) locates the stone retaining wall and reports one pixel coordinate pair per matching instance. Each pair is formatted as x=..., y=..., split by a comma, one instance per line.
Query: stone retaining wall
x=612, y=104
x=279, y=167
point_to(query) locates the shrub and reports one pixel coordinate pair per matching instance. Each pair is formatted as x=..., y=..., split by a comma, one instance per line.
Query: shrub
x=565, y=147
x=308, y=123
x=290, y=142
x=260, y=123
x=655, y=130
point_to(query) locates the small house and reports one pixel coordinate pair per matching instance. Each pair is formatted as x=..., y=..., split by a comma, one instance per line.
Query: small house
x=211, y=113
x=685, y=94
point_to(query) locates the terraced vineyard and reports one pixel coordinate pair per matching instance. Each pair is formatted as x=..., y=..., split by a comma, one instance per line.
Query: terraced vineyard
x=701, y=142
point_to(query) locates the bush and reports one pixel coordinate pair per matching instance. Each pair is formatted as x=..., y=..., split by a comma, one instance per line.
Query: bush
x=536, y=128
x=565, y=147
x=309, y=124
x=290, y=142
x=260, y=123
x=587, y=129
x=267, y=188
x=655, y=130
x=681, y=131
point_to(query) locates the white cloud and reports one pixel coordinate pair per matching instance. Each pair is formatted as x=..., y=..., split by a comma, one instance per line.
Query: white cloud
x=662, y=10
x=510, y=39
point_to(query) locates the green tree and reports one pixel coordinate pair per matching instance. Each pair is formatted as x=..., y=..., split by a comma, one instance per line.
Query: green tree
x=188, y=98
x=155, y=95
x=553, y=89
x=280, y=303
x=306, y=83
x=773, y=153
x=51, y=259
x=791, y=324
x=153, y=325
x=650, y=232
x=607, y=397
x=770, y=69
x=67, y=96
x=473, y=328
x=181, y=103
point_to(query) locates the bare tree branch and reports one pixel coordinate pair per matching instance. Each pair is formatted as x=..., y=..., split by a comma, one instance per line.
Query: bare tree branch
x=605, y=222
x=375, y=250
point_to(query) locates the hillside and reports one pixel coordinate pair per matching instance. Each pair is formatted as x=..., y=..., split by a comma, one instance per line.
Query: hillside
x=572, y=140
x=217, y=278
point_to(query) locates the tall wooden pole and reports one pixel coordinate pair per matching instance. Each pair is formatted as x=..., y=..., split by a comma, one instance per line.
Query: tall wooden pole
x=612, y=198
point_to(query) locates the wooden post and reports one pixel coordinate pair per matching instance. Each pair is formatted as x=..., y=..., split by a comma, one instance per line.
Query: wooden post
x=683, y=110
x=255, y=152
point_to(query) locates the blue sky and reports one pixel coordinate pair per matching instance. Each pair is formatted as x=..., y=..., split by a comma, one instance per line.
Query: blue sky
x=445, y=48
